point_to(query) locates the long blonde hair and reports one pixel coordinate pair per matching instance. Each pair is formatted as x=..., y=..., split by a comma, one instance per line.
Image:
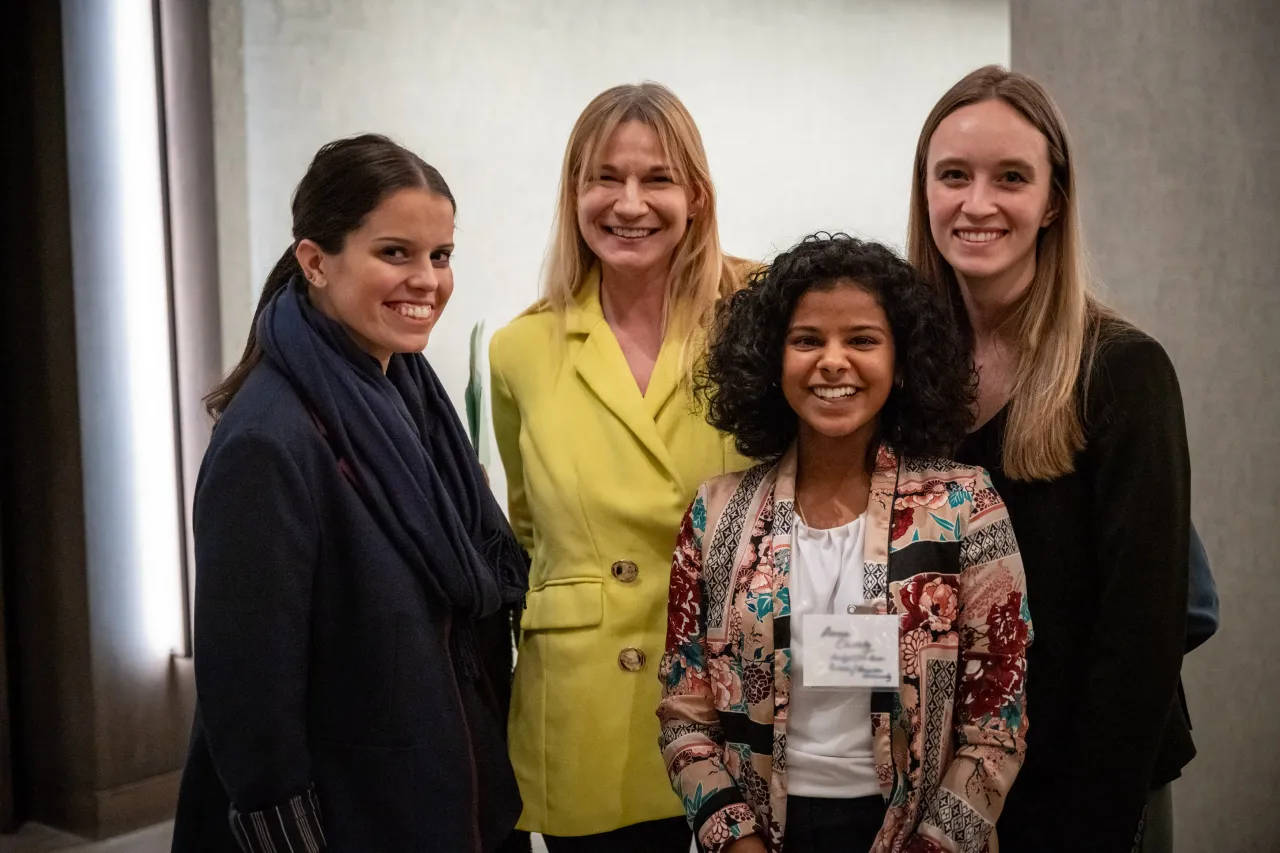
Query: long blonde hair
x=1056, y=324
x=700, y=272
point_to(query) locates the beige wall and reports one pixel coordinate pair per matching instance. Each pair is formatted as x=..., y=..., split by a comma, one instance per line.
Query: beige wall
x=825, y=96
x=1176, y=121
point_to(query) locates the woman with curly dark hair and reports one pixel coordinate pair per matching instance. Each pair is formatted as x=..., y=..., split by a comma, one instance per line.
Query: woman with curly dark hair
x=839, y=610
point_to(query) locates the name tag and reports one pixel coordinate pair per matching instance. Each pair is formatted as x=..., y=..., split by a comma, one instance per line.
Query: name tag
x=850, y=651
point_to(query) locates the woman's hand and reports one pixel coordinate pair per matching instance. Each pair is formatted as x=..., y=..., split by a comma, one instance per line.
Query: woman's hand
x=750, y=844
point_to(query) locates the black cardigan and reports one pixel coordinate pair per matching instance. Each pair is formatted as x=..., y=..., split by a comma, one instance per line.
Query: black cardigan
x=326, y=692
x=1105, y=553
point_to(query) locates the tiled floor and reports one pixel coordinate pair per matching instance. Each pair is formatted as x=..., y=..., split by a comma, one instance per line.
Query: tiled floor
x=33, y=838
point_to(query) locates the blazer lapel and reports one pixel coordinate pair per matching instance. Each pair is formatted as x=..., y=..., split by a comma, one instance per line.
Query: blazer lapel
x=604, y=369
x=875, y=549
x=784, y=504
x=784, y=508
x=666, y=378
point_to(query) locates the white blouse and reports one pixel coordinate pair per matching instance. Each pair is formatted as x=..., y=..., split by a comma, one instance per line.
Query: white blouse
x=828, y=731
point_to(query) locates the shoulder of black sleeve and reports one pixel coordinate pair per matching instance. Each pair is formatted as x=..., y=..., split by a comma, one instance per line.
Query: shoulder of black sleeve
x=266, y=420
x=248, y=462
x=268, y=404
x=1131, y=374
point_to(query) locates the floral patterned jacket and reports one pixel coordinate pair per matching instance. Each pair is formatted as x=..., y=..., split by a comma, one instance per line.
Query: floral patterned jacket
x=941, y=553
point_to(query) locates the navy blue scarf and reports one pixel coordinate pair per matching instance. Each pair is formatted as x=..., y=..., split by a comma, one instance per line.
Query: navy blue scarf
x=398, y=439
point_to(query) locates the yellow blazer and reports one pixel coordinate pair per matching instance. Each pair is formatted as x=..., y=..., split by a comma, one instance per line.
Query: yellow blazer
x=598, y=478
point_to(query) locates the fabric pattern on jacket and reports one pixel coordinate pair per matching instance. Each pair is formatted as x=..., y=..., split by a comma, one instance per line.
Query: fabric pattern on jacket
x=940, y=553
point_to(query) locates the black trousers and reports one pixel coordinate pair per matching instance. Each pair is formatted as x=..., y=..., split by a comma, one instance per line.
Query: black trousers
x=817, y=825
x=517, y=842
x=671, y=835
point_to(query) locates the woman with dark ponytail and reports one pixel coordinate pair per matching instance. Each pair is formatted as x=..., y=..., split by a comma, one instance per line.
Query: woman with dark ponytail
x=354, y=575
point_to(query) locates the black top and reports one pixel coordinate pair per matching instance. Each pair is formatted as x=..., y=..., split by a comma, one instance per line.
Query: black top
x=327, y=698
x=1105, y=554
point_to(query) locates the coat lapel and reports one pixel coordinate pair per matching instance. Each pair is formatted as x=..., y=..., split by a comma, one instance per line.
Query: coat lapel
x=603, y=368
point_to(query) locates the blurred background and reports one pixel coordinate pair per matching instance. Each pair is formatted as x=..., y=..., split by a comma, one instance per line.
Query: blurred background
x=152, y=146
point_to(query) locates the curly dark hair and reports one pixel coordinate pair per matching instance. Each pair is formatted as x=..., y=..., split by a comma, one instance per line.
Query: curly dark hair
x=739, y=381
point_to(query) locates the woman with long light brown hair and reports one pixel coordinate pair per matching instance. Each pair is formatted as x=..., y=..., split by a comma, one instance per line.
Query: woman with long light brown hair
x=602, y=448
x=1080, y=422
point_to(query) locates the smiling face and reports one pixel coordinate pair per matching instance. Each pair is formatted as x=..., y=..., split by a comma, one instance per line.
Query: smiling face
x=631, y=212
x=988, y=185
x=838, y=362
x=392, y=279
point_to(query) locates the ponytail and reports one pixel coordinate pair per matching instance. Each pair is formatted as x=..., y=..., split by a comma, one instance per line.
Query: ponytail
x=217, y=400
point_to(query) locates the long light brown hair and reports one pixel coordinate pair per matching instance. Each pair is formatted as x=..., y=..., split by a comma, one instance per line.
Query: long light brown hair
x=1055, y=326
x=700, y=272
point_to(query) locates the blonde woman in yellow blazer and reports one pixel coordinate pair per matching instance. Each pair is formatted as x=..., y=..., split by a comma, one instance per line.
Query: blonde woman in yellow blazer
x=603, y=449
